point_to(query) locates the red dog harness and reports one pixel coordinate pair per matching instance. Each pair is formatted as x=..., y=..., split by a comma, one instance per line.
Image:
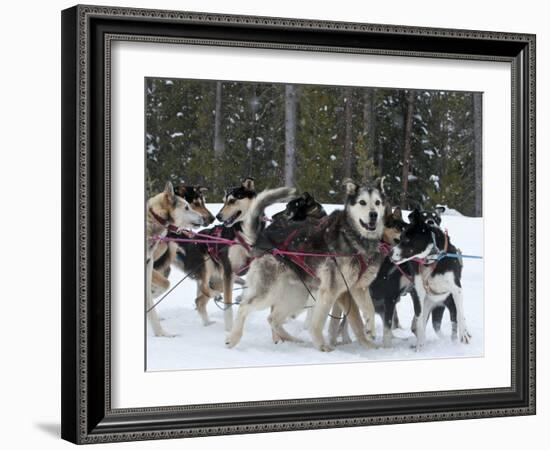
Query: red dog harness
x=298, y=257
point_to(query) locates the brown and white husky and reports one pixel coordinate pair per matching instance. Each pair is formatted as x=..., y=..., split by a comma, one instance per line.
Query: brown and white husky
x=216, y=266
x=165, y=211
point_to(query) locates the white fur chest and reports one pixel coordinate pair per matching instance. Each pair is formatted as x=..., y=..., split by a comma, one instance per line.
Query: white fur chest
x=437, y=287
x=238, y=256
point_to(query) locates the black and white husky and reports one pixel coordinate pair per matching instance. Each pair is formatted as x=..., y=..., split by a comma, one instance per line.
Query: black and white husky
x=437, y=275
x=433, y=218
x=284, y=283
x=392, y=282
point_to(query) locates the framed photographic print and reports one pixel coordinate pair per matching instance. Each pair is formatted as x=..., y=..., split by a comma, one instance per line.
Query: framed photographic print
x=281, y=224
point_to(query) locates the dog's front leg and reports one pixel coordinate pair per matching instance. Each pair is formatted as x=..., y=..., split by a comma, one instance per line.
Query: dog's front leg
x=420, y=319
x=150, y=311
x=319, y=316
x=228, y=298
x=338, y=322
x=437, y=318
x=389, y=313
x=366, y=306
x=307, y=321
x=463, y=333
x=334, y=323
x=354, y=318
x=450, y=304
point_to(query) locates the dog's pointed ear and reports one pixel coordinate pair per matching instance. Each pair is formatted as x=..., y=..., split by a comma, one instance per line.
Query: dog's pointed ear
x=248, y=184
x=440, y=210
x=350, y=186
x=202, y=189
x=169, y=192
x=308, y=198
x=414, y=217
x=379, y=183
x=397, y=214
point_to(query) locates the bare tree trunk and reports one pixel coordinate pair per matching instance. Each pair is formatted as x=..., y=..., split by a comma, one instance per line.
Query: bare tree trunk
x=290, y=134
x=219, y=142
x=369, y=130
x=407, y=149
x=348, y=138
x=478, y=188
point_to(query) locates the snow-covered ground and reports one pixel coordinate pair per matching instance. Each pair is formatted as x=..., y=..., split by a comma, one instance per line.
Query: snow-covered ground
x=198, y=347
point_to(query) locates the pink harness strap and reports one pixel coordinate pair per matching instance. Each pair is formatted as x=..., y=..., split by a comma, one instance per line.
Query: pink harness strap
x=298, y=257
x=363, y=266
x=241, y=241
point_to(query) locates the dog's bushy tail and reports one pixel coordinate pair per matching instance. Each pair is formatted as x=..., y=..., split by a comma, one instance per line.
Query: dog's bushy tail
x=252, y=224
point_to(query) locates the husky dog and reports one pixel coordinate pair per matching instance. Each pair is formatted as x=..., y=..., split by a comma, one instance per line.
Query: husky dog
x=392, y=282
x=284, y=283
x=165, y=211
x=437, y=277
x=297, y=210
x=165, y=252
x=433, y=218
x=393, y=227
x=301, y=208
x=235, y=214
x=215, y=265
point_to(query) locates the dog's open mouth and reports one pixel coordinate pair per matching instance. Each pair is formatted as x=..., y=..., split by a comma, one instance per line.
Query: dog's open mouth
x=370, y=226
x=232, y=219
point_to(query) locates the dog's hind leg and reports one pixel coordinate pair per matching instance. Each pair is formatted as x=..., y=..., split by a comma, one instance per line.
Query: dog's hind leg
x=248, y=305
x=279, y=334
x=286, y=303
x=201, y=301
x=160, y=284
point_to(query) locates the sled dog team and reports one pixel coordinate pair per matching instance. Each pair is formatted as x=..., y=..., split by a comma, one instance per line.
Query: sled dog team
x=346, y=267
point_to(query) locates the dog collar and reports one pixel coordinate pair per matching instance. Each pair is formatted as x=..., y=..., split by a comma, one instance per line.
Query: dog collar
x=164, y=222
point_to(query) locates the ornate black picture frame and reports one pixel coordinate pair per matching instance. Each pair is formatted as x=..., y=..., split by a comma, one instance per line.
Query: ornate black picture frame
x=87, y=34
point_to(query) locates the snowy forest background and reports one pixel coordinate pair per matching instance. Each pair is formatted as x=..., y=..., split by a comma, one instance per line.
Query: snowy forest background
x=214, y=133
